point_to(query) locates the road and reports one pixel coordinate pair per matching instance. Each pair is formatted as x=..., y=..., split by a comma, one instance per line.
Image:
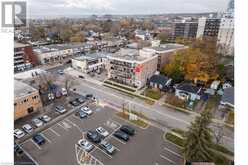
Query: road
x=164, y=116
x=167, y=117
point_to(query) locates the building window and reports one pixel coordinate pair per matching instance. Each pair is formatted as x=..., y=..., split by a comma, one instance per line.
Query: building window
x=30, y=110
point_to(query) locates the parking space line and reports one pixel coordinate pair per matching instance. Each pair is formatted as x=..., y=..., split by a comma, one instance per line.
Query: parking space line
x=29, y=156
x=118, y=140
x=103, y=151
x=117, y=148
x=62, y=127
x=77, y=118
x=162, y=156
x=49, y=141
x=56, y=133
x=173, y=152
x=36, y=145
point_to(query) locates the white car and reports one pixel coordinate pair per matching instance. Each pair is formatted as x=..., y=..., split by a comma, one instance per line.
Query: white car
x=45, y=118
x=27, y=128
x=86, y=110
x=87, y=146
x=18, y=133
x=63, y=91
x=103, y=132
x=37, y=122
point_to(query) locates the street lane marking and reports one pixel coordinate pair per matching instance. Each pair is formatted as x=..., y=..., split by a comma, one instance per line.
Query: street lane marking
x=36, y=145
x=56, y=133
x=49, y=141
x=173, y=152
x=117, y=148
x=75, y=117
x=162, y=156
x=145, y=107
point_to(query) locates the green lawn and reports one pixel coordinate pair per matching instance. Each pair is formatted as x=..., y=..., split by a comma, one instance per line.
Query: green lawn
x=120, y=86
x=174, y=139
x=154, y=94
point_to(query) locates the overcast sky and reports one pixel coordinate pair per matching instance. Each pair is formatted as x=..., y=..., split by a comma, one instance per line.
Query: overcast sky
x=86, y=7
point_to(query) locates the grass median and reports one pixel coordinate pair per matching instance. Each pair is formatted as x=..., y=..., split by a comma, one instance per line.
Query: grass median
x=139, y=122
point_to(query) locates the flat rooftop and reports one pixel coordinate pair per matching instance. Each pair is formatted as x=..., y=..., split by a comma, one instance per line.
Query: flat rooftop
x=57, y=47
x=129, y=54
x=19, y=45
x=167, y=47
x=21, y=89
x=92, y=56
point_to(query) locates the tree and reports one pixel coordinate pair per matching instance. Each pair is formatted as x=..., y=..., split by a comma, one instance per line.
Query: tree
x=199, y=140
x=163, y=37
x=174, y=68
x=218, y=132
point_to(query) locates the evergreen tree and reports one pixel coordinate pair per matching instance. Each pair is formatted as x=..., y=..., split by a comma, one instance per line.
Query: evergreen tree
x=199, y=140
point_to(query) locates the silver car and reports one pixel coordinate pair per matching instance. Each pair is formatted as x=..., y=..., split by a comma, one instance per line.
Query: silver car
x=27, y=128
x=87, y=146
x=109, y=148
x=37, y=122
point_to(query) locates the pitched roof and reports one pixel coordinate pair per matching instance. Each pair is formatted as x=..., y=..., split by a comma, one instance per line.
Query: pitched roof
x=188, y=87
x=228, y=96
x=159, y=79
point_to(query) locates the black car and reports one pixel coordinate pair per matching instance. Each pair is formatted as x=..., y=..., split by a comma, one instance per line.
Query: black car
x=121, y=135
x=81, y=100
x=17, y=149
x=39, y=139
x=74, y=103
x=88, y=96
x=94, y=136
x=82, y=77
x=128, y=129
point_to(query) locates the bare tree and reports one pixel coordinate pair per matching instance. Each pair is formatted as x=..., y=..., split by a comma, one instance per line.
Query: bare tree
x=69, y=82
x=218, y=132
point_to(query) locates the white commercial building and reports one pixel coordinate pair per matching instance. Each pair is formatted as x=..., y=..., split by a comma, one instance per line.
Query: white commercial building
x=90, y=63
x=132, y=67
x=225, y=40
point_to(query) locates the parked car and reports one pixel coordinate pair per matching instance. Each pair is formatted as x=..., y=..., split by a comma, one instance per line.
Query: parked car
x=81, y=100
x=18, y=133
x=81, y=114
x=80, y=76
x=128, y=129
x=51, y=96
x=94, y=136
x=109, y=148
x=103, y=132
x=39, y=139
x=88, y=96
x=27, y=128
x=121, y=135
x=45, y=118
x=60, y=109
x=86, y=110
x=74, y=103
x=17, y=149
x=37, y=122
x=87, y=146
x=64, y=91
x=61, y=72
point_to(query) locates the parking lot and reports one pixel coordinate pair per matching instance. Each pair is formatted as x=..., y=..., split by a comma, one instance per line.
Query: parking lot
x=146, y=147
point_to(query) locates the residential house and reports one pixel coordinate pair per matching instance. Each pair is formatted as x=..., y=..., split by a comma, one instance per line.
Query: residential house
x=188, y=91
x=159, y=81
x=227, y=98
